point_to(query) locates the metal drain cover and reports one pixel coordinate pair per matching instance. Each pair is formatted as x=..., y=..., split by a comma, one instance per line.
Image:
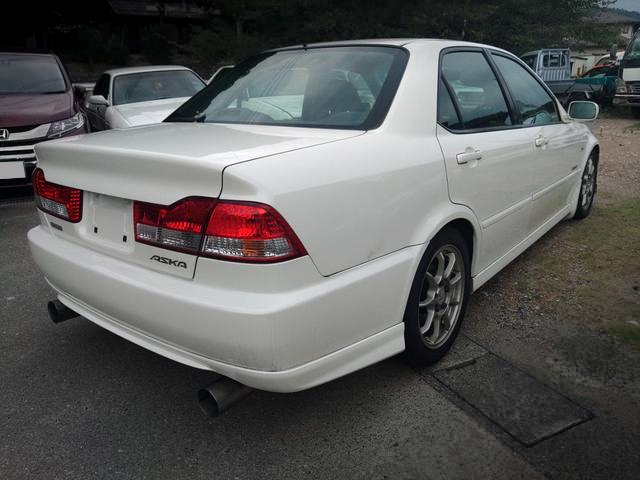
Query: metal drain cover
x=519, y=404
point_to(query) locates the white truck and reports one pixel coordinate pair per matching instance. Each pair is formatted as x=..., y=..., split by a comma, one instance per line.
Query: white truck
x=628, y=84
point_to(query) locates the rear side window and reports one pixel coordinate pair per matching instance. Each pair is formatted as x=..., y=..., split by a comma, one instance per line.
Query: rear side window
x=447, y=115
x=535, y=104
x=554, y=60
x=476, y=90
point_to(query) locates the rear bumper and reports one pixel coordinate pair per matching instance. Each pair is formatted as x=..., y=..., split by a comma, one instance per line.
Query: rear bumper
x=280, y=327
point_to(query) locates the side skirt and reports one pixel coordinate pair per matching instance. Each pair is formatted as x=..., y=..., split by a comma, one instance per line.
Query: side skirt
x=485, y=275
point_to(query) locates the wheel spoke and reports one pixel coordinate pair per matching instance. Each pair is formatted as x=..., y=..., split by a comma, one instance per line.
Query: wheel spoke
x=455, y=279
x=451, y=257
x=427, y=301
x=431, y=291
x=428, y=321
x=440, y=268
x=436, y=329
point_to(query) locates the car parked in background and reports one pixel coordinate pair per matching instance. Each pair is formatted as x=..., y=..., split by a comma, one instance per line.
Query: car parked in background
x=315, y=210
x=128, y=97
x=37, y=103
x=553, y=66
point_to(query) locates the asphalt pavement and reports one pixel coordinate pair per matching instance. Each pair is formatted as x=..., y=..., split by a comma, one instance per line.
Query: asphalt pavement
x=78, y=402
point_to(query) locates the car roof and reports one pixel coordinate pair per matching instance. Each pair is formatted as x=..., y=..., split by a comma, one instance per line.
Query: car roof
x=27, y=51
x=149, y=68
x=391, y=42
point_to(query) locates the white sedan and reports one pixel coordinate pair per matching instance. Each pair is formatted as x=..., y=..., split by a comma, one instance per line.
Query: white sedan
x=128, y=97
x=316, y=210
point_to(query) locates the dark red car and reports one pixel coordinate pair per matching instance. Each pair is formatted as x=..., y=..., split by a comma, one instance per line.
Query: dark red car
x=37, y=103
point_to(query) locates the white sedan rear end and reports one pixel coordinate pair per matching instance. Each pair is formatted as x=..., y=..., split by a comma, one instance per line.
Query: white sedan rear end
x=314, y=210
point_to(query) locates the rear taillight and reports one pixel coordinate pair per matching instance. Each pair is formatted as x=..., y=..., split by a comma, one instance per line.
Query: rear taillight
x=57, y=200
x=177, y=227
x=240, y=231
x=250, y=232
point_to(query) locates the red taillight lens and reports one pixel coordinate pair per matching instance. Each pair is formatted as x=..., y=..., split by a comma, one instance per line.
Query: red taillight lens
x=57, y=200
x=241, y=231
x=177, y=227
x=250, y=232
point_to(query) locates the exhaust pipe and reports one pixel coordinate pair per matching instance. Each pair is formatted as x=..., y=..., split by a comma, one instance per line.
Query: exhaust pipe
x=60, y=312
x=221, y=395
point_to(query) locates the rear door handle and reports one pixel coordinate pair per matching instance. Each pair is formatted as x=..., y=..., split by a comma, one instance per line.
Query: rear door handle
x=541, y=141
x=469, y=155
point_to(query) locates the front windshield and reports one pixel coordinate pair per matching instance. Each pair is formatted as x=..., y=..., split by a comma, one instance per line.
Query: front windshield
x=29, y=74
x=156, y=85
x=333, y=87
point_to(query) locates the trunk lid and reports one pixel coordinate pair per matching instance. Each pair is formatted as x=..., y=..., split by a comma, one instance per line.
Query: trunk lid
x=166, y=162
x=157, y=164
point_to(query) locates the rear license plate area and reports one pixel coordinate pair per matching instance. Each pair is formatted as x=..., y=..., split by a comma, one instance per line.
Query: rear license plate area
x=111, y=219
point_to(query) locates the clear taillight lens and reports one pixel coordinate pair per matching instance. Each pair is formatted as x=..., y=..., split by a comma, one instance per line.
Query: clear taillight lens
x=176, y=227
x=239, y=231
x=250, y=232
x=57, y=200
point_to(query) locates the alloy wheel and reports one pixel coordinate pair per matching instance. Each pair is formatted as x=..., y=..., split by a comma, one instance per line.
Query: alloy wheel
x=588, y=186
x=441, y=296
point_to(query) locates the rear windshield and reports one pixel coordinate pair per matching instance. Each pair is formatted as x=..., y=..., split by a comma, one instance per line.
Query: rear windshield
x=30, y=74
x=147, y=86
x=333, y=87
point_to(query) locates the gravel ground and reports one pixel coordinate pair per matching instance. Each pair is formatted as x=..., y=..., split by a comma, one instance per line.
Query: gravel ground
x=568, y=311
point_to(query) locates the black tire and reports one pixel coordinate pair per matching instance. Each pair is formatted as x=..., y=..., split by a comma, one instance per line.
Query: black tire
x=584, y=206
x=417, y=350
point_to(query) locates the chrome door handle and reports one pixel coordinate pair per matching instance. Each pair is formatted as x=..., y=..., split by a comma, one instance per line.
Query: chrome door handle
x=468, y=155
x=541, y=141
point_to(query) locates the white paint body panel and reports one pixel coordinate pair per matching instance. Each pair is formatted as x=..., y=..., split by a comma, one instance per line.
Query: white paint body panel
x=364, y=205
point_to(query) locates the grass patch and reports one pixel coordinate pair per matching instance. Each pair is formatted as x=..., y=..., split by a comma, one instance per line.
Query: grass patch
x=635, y=126
x=626, y=332
x=588, y=271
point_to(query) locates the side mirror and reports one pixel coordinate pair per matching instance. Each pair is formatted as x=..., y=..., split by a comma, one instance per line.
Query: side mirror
x=98, y=100
x=80, y=92
x=583, y=111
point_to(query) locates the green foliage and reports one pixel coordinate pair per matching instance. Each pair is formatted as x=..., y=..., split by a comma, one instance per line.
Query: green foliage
x=516, y=25
x=159, y=44
x=92, y=43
